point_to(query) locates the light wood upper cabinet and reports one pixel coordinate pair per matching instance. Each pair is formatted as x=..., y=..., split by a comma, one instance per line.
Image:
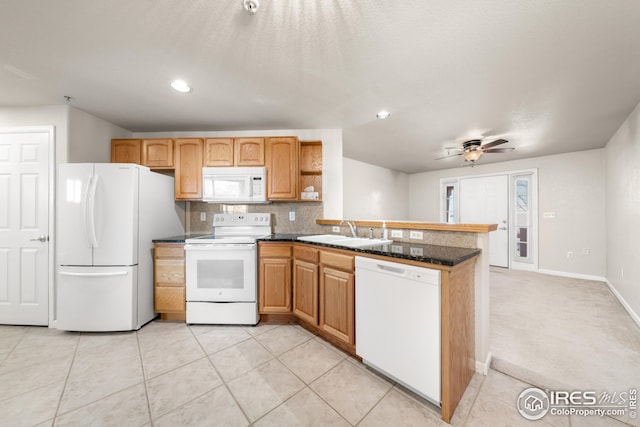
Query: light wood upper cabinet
x=282, y=168
x=125, y=151
x=274, y=278
x=249, y=151
x=218, y=152
x=234, y=152
x=188, y=163
x=310, y=169
x=157, y=153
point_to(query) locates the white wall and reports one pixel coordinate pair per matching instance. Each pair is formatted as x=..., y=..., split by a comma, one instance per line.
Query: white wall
x=90, y=138
x=373, y=192
x=572, y=185
x=331, y=156
x=623, y=211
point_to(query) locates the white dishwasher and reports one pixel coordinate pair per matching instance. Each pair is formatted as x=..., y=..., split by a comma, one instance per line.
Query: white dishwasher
x=398, y=323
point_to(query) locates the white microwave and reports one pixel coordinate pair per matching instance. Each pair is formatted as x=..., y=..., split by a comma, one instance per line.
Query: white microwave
x=234, y=185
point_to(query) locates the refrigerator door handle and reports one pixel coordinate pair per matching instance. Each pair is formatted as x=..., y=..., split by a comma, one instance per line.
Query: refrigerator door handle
x=90, y=211
x=109, y=274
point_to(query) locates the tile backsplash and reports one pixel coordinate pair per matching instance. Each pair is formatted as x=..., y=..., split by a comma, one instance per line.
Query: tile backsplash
x=306, y=214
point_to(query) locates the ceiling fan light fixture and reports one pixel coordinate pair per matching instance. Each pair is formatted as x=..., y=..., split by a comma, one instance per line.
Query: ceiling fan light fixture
x=383, y=114
x=472, y=155
x=181, y=86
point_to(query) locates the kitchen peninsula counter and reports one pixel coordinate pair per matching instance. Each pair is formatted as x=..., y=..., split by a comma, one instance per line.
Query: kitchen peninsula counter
x=424, y=253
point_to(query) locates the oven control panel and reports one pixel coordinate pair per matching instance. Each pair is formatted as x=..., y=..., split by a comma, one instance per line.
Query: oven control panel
x=245, y=219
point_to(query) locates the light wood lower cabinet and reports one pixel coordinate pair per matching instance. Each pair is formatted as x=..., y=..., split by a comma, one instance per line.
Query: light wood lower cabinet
x=274, y=278
x=336, y=299
x=169, y=280
x=305, y=284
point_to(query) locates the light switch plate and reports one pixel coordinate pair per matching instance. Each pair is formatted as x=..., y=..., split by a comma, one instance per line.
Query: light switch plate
x=549, y=215
x=292, y=216
x=203, y=216
x=335, y=229
x=396, y=234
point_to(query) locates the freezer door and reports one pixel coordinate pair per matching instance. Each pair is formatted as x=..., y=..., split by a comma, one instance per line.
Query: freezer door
x=72, y=238
x=114, y=210
x=95, y=299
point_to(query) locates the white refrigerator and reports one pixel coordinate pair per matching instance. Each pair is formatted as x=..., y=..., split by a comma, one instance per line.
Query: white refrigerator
x=107, y=215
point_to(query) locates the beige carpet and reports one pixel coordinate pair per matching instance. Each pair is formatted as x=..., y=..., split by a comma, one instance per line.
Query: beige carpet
x=562, y=333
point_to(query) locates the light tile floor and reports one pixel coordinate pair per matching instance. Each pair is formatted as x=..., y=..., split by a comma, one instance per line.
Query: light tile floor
x=171, y=374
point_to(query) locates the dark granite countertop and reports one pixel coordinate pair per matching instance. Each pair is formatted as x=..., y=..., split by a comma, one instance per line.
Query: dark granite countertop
x=177, y=239
x=432, y=254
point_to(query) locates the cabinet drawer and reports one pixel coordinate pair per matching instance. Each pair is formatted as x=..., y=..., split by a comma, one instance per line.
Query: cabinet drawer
x=169, y=299
x=344, y=262
x=271, y=250
x=169, y=272
x=172, y=250
x=306, y=253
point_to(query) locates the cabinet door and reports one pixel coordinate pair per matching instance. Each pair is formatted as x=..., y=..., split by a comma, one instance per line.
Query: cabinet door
x=282, y=168
x=274, y=285
x=218, y=152
x=249, y=151
x=157, y=153
x=188, y=160
x=305, y=291
x=125, y=151
x=169, y=280
x=337, y=307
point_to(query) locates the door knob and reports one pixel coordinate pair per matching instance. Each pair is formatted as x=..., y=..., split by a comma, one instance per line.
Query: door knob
x=40, y=238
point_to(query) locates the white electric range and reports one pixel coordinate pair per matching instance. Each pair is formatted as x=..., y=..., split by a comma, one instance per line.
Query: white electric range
x=221, y=270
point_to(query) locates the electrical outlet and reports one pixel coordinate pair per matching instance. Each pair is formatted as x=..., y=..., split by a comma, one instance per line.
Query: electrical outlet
x=335, y=228
x=396, y=233
x=570, y=254
x=292, y=216
x=416, y=251
x=203, y=216
x=417, y=235
x=397, y=249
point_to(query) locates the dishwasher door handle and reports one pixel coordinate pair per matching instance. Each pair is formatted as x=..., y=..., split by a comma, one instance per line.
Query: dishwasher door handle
x=395, y=270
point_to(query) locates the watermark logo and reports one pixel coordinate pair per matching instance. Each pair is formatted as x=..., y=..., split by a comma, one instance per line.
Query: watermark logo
x=533, y=403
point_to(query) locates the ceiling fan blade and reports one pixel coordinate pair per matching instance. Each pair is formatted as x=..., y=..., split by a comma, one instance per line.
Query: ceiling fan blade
x=499, y=150
x=494, y=143
x=450, y=155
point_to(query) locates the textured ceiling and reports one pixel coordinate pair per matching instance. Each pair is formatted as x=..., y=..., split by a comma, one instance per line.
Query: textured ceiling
x=550, y=76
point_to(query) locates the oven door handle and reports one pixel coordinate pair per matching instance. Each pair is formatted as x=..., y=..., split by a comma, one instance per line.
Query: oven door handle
x=220, y=247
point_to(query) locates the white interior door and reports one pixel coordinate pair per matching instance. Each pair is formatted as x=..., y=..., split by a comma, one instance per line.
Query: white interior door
x=24, y=227
x=485, y=200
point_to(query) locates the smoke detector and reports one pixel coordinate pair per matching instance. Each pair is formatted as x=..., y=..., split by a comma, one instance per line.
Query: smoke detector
x=251, y=6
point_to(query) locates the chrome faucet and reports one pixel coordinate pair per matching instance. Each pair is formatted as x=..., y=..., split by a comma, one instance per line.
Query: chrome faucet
x=351, y=225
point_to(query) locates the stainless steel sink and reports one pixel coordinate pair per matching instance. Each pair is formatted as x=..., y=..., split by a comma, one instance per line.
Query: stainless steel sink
x=349, y=242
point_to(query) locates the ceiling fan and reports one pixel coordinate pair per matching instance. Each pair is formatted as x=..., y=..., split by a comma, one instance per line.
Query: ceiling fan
x=473, y=149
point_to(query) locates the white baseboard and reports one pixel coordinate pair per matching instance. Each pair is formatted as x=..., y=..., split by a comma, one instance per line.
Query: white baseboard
x=573, y=275
x=633, y=314
x=483, y=367
x=614, y=291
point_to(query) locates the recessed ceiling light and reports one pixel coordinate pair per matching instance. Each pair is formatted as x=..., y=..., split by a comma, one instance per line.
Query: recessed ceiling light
x=181, y=86
x=383, y=114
